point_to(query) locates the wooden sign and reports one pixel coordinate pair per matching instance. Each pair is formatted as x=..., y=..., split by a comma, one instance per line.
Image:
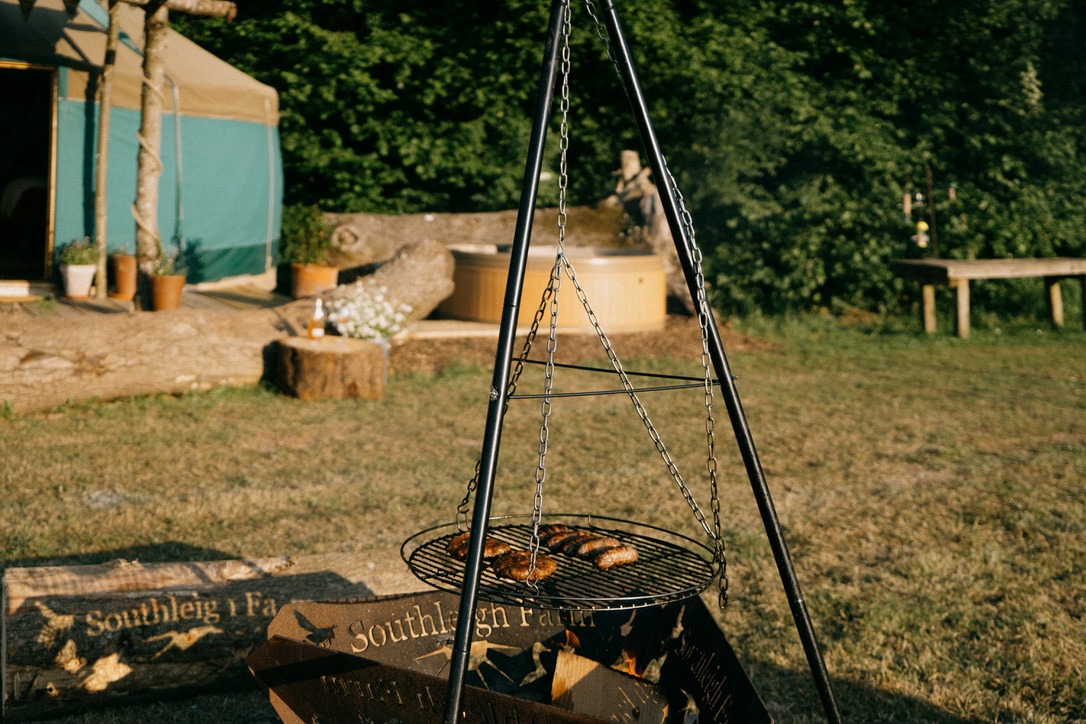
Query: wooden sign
x=77, y=636
x=387, y=660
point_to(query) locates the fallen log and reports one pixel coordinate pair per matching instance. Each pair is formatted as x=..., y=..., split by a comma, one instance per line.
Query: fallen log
x=84, y=636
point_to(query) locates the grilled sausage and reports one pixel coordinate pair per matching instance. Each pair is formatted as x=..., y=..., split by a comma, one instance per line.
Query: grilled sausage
x=515, y=565
x=611, y=557
x=492, y=547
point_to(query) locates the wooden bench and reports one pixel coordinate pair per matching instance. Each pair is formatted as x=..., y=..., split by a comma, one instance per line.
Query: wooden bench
x=956, y=273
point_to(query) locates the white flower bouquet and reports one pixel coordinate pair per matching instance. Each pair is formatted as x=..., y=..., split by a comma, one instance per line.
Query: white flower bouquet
x=366, y=313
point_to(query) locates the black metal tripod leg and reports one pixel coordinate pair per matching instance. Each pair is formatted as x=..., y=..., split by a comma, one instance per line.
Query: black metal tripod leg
x=720, y=363
x=498, y=389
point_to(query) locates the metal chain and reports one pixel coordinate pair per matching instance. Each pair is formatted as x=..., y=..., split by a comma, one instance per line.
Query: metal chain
x=642, y=413
x=601, y=31
x=550, y=302
x=710, y=423
x=511, y=388
x=554, y=287
x=703, y=320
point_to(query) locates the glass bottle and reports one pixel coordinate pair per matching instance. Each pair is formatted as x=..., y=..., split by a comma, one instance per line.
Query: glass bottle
x=315, y=326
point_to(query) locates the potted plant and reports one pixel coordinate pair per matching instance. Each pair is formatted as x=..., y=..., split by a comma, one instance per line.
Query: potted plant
x=167, y=282
x=124, y=276
x=78, y=265
x=306, y=242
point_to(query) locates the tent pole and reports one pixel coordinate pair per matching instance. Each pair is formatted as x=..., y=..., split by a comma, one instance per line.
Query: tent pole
x=101, y=160
x=727, y=382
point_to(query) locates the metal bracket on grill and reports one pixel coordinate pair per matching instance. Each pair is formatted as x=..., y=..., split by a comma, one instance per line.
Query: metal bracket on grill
x=670, y=566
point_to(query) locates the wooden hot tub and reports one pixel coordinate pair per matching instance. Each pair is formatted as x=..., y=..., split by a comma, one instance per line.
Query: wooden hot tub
x=626, y=287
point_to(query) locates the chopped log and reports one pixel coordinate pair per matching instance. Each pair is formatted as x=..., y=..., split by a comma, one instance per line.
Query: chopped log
x=419, y=275
x=331, y=368
x=590, y=688
x=78, y=636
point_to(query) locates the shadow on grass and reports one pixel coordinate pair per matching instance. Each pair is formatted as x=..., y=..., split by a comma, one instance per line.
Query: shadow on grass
x=791, y=696
x=156, y=622
x=859, y=703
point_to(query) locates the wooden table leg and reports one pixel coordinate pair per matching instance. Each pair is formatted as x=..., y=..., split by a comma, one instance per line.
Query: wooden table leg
x=927, y=307
x=1082, y=281
x=961, y=307
x=1055, y=300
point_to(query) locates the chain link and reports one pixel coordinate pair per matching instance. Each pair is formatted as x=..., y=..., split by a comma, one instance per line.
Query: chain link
x=554, y=286
x=601, y=31
x=690, y=242
x=550, y=303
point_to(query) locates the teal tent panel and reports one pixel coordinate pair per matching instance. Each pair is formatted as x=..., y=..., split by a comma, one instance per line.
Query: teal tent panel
x=231, y=192
x=77, y=125
x=230, y=206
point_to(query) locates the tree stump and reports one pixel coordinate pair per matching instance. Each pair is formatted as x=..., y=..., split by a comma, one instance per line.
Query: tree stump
x=331, y=368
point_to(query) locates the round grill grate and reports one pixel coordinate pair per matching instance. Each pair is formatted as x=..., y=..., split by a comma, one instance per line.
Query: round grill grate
x=670, y=567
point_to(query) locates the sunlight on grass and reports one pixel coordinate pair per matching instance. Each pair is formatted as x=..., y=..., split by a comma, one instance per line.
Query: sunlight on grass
x=931, y=492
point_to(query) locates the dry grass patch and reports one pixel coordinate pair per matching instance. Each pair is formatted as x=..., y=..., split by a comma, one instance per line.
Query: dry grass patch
x=931, y=491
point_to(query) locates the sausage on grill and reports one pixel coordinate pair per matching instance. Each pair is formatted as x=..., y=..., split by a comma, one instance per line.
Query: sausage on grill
x=492, y=547
x=515, y=565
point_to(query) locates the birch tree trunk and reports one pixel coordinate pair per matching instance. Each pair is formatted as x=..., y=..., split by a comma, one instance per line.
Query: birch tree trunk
x=149, y=170
x=101, y=161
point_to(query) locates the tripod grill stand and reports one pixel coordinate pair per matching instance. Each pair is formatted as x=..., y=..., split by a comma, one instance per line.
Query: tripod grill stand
x=500, y=381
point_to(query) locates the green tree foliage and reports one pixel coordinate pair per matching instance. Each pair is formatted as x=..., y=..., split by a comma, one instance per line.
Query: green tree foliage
x=794, y=128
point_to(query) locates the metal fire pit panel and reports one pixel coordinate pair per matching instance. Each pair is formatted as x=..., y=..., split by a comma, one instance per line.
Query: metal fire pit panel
x=670, y=567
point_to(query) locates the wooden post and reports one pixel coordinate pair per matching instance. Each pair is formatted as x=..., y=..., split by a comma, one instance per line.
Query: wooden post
x=148, y=243
x=1082, y=298
x=927, y=308
x=1054, y=299
x=961, y=307
x=101, y=161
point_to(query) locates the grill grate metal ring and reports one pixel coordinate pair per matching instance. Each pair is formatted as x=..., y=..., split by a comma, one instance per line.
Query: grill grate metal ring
x=670, y=566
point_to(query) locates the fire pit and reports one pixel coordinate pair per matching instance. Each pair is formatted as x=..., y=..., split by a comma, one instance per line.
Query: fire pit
x=386, y=660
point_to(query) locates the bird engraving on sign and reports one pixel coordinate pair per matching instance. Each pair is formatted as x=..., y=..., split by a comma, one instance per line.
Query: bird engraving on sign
x=55, y=624
x=320, y=636
x=183, y=640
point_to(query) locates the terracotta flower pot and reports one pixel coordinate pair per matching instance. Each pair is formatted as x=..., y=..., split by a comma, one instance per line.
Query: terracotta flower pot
x=78, y=279
x=310, y=279
x=124, y=277
x=166, y=291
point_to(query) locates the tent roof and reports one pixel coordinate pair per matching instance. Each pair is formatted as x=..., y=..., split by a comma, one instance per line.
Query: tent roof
x=206, y=85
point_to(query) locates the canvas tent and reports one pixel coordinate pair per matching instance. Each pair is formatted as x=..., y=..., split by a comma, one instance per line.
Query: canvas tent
x=221, y=188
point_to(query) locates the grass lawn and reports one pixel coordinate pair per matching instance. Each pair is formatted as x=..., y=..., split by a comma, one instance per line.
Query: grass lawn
x=932, y=491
